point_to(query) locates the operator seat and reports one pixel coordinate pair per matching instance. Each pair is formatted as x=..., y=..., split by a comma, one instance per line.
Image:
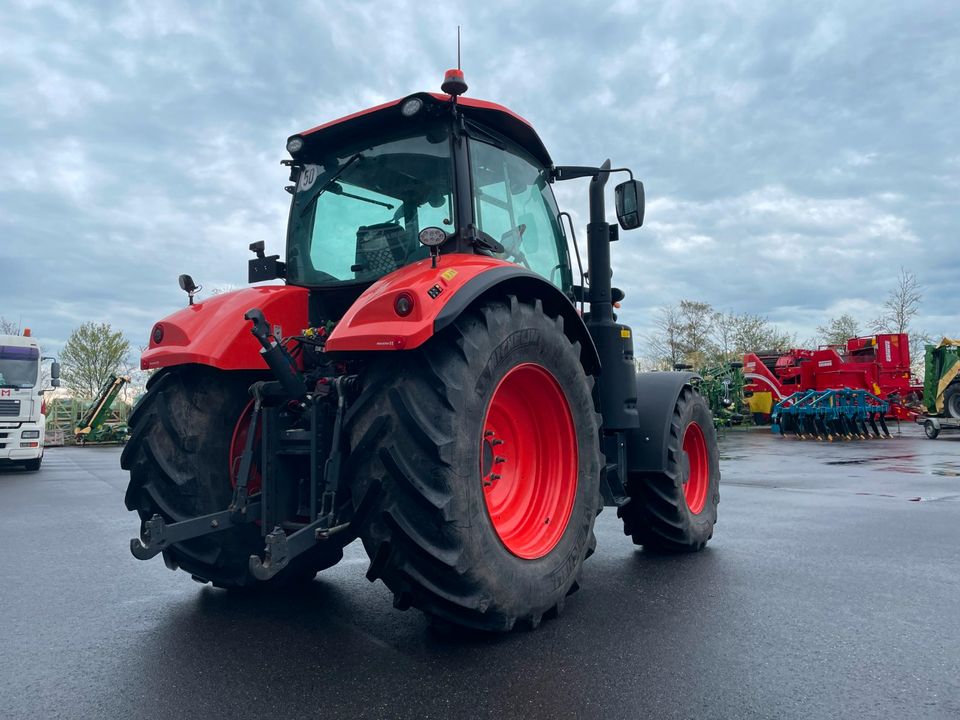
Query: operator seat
x=381, y=248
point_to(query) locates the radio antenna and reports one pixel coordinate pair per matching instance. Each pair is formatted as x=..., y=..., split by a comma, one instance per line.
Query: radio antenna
x=453, y=82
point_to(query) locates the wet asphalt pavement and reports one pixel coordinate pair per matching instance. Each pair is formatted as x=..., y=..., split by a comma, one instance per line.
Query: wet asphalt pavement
x=831, y=589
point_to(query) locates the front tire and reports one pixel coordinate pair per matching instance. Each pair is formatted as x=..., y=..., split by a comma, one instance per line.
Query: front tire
x=479, y=456
x=34, y=464
x=676, y=510
x=179, y=456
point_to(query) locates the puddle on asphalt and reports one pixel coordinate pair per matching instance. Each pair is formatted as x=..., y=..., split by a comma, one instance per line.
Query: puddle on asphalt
x=943, y=469
x=946, y=469
x=862, y=461
x=903, y=469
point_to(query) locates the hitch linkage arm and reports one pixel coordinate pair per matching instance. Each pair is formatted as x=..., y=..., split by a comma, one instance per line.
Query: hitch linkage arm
x=282, y=548
x=157, y=535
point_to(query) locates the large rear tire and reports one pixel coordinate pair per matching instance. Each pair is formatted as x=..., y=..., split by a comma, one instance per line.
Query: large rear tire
x=179, y=458
x=479, y=457
x=951, y=400
x=676, y=510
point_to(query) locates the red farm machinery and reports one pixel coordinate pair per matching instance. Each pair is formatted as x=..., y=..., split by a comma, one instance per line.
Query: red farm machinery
x=866, y=380
x=434, y=377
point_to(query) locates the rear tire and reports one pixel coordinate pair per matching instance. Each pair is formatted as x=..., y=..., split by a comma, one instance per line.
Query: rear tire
x=931, y=430
x=178, y=458
x=446, y=535
x=676, y=510
x=951, y=400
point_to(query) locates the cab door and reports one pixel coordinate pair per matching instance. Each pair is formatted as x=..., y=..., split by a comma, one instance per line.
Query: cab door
x=513, y=203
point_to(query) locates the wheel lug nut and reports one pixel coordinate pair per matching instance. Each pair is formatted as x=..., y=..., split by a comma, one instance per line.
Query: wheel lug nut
x=499, y=459
x=488, y=433
x=494, y=477
x=496, y=442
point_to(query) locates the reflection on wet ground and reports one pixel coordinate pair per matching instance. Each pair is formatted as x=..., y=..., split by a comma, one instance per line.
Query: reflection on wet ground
x=946, y=468
x=831, y=589
x=873, y=467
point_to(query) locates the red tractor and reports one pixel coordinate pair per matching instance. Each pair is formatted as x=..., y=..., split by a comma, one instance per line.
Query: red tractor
x=430, y=378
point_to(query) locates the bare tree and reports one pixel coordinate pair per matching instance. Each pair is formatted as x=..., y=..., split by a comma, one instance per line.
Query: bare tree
x=902, y=304
x=666, y=341
x=754, y=333
x=734, y=334
x=839, y=330
x=696, y=321
x=694, y=333
x=8, y=327
x=723, y=335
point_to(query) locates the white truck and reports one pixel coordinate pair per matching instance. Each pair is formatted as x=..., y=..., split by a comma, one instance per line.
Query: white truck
x=22, y=420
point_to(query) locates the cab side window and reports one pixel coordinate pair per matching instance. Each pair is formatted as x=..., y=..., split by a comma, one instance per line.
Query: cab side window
x=513, y=204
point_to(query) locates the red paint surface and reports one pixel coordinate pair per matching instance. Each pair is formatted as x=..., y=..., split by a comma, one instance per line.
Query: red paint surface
x=463, y=101
x=528, y=461
x=372, y=322
x=879, y=364
x=214, y=332
x=698, y=468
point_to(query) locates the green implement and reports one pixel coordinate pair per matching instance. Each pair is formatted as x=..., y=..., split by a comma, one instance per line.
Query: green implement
x=722, y=386
x=941, y=384
x=93, y=426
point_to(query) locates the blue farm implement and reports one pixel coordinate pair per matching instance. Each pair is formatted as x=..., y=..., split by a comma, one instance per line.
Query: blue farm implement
x=879, y=364
x=832, y=415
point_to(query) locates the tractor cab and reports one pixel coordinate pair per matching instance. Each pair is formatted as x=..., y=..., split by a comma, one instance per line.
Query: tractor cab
x=366, y=186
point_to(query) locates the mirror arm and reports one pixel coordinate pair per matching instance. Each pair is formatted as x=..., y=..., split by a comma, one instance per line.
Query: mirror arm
x=572, y=172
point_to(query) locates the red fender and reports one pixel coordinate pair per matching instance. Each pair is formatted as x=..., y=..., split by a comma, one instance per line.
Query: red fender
x=214, y=332
x=373, y=323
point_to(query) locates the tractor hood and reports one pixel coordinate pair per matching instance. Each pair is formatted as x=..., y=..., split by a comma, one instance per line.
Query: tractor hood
x=214, y=332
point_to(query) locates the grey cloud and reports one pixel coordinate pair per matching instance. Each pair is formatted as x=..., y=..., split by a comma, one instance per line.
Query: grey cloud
x=794, y=155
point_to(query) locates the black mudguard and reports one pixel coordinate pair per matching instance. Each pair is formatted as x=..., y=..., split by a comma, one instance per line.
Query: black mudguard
x=526, y=285
x=657, y=394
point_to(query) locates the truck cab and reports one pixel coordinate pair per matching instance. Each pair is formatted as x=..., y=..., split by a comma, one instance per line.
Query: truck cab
x=22, y=420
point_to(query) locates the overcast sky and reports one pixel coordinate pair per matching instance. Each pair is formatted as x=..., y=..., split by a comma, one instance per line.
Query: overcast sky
x=795, y=155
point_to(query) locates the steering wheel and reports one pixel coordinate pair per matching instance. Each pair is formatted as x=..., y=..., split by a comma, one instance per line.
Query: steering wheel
x=511, y=240
x=492, y=244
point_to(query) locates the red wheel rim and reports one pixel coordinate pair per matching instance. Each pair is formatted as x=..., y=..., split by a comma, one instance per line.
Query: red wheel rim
x=528, y=461
x=237, y=443
x=698, y=468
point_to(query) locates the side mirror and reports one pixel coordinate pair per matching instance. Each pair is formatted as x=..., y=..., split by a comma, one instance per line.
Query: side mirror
x=630, y=202
x=54, y=374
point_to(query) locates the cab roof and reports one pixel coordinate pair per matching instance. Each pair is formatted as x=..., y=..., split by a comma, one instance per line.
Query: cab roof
x=489, y=114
